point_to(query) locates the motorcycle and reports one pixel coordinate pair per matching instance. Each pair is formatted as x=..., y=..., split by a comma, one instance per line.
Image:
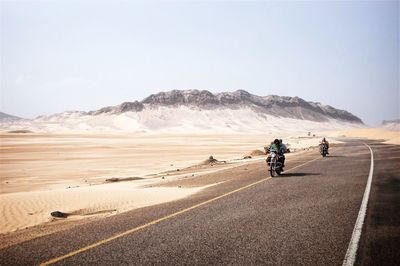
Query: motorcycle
x=323, y=149
x=275, y=166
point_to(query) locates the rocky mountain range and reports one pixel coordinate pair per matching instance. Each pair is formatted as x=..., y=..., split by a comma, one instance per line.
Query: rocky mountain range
x=198, y=110
x=282, y=106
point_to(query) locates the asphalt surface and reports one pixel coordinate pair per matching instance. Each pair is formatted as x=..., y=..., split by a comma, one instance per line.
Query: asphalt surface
x=305, y=217
x=380, y=241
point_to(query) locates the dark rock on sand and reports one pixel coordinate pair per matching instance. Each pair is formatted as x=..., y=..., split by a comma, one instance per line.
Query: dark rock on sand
x=59, y=214
x=117, y=179
x=211, y=160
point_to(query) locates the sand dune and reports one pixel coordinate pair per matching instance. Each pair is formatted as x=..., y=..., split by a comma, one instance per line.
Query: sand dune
x=25, y=209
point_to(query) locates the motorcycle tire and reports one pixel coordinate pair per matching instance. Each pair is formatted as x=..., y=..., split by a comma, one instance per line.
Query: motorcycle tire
x=272, y=171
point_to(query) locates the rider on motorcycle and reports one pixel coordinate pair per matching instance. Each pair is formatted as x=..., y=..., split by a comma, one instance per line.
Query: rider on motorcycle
x=325, y=142
x=280, y=149
x=283, y=146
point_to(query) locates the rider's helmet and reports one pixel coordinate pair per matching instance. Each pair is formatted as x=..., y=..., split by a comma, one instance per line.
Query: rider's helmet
x=276, y=141
x=280, y=141
x=323, y=139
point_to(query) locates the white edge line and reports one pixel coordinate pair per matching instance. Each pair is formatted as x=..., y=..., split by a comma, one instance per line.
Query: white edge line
x=351, y=253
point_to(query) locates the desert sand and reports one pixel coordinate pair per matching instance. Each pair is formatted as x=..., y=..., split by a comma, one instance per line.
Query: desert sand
x=390, y=137
x=41, y=173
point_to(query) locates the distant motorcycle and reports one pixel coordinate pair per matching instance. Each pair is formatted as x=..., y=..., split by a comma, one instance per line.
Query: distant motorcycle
x=275, y=166
x=323, y=149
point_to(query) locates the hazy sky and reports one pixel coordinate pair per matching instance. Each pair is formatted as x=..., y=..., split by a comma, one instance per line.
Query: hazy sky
x=83, y=55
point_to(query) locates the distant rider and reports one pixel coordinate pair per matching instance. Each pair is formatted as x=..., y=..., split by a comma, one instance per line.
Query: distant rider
x=326, y=143
x=280, y=148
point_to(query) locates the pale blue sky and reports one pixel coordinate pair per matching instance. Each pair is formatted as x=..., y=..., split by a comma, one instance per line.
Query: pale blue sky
x=84, y=55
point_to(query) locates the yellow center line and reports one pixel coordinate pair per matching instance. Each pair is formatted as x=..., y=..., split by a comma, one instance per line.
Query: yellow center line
x=130, y=231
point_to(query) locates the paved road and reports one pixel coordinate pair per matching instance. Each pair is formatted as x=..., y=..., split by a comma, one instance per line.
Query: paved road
x=305, y=217
x=380, y=241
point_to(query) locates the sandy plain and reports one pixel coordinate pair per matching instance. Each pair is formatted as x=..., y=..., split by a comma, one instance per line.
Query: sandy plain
x=389, y=137
x=41, y=173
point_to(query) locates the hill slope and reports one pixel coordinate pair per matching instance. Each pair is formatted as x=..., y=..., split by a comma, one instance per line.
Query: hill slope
x=199, y=110
x=8, y=118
